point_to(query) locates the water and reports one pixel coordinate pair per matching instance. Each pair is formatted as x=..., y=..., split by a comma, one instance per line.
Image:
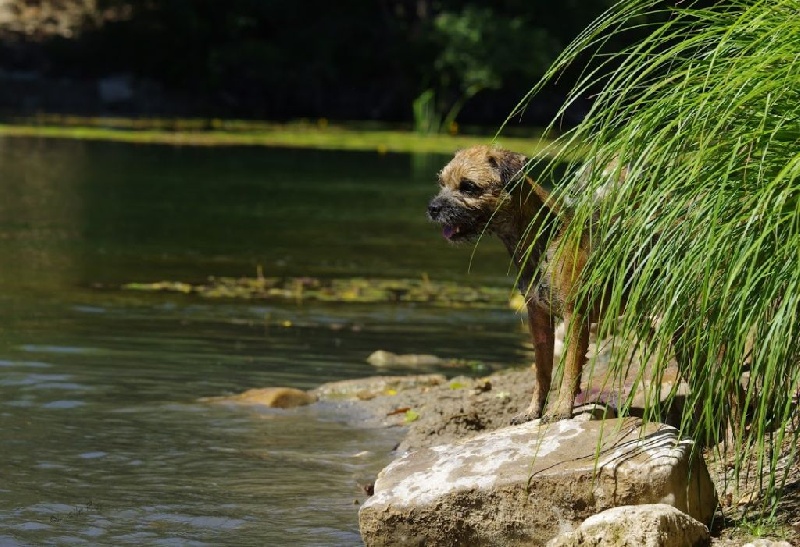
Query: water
x=103, y=440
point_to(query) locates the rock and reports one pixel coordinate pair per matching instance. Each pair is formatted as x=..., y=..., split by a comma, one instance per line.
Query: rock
x=273, y=397
x=366, y=388
x=115, y=89
x=593, y=411
x=383, y=358
x=764, y=542
x=524, y=485
x=651, y=525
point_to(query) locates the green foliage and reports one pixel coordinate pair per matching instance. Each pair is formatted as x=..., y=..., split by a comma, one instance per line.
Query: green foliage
x=759, y=528
x=426, y=119
x=478, y=49
x=704, y=115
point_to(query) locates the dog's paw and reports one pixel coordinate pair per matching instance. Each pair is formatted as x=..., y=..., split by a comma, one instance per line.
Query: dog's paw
x=524, y=417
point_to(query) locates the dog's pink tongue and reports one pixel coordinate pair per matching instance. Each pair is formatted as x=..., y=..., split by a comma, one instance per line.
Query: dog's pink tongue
x=448, y=232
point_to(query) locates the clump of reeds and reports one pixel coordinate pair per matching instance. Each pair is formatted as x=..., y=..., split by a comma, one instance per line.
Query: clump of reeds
x=703, y=115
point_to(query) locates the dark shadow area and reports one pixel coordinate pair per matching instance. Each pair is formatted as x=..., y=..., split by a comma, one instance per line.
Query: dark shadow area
x=390, y=61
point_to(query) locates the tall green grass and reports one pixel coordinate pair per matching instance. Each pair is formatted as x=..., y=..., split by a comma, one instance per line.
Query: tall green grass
x=704, y=113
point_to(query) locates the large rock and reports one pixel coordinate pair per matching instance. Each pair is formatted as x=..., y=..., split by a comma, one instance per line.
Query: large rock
x=524, y=485
x=652, y=525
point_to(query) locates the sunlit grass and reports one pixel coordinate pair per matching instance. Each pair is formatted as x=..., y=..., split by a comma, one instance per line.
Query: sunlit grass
x=319, y=134
x=705, y=114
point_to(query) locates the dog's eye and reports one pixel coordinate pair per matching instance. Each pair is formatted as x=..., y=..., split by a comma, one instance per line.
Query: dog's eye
x=468, y=187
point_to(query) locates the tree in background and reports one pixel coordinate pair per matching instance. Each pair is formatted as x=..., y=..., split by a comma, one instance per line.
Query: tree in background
x=352, y=60
x=477, y=50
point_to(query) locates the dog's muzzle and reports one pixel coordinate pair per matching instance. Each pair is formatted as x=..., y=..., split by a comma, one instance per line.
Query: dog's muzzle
x=457, y=225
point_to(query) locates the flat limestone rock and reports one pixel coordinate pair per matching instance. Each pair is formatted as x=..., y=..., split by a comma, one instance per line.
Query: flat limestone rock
x=652, y=525
x=526, y=484
x=373, y=386
x=273, y=397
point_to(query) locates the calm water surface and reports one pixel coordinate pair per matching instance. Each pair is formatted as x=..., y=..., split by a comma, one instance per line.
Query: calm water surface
x=103, y=441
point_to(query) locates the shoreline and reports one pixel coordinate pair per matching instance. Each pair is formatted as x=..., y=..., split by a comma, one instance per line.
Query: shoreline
x=211, y=133
x=431, y=410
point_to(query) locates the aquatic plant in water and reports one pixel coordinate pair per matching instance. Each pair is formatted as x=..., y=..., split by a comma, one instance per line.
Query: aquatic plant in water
x=346, y=290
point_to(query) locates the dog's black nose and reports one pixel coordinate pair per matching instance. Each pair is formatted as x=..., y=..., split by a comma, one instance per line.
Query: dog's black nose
x=434, y=208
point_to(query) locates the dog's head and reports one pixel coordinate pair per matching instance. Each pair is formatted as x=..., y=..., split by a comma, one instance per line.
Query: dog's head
x=474, y=188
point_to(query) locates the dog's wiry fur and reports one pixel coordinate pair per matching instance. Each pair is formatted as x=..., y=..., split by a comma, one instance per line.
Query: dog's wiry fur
x=484, y=190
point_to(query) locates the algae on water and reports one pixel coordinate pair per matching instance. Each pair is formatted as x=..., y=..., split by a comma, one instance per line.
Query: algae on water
x=350, y=290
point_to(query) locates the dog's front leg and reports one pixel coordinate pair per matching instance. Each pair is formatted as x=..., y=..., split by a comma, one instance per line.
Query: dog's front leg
x=577, y=342
x=542, y=330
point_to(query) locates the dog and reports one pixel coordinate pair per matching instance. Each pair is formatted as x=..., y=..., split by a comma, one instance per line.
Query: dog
x=483, y=190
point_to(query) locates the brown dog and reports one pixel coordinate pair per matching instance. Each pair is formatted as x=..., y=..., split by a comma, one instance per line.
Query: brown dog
x=484, y=190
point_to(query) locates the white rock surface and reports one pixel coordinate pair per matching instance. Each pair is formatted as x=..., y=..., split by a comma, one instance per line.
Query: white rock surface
x=652, y=525
x=524, y=485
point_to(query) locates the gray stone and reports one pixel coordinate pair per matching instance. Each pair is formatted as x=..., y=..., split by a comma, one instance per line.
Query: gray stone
x=115, y=89
x=524, y=485
x=366, y=388
x=652, y=525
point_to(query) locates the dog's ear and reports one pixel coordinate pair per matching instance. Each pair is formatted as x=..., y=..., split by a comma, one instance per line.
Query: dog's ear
x=509, y=165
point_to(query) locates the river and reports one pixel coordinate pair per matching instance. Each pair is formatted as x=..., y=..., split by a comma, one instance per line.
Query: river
x=103, y=440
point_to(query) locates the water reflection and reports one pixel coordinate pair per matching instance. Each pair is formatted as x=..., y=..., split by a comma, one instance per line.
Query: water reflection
x=41, y=209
